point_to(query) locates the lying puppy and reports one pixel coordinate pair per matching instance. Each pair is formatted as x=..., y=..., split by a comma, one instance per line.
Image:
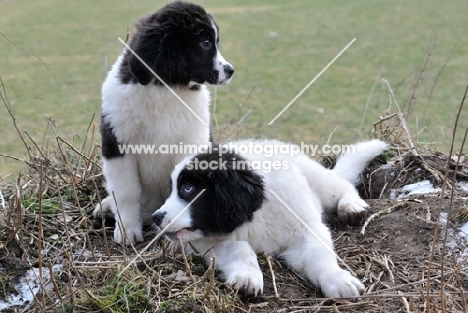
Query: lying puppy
x=227, y=202
x=179, y=43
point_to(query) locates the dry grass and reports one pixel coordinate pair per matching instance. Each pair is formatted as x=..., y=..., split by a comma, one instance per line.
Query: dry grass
x=45, y=221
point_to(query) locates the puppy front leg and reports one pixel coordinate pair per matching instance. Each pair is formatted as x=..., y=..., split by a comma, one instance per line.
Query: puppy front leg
x=238, y=264
x=123, y=182
x=313, y=256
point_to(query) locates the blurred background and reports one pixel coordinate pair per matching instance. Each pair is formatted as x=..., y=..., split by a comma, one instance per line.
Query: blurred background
x=53, y=56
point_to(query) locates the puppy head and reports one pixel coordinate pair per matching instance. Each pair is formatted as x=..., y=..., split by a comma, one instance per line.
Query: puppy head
x=230, y=197
x=179, y=43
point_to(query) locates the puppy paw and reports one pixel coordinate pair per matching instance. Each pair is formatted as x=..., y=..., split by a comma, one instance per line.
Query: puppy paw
x=248, y=282
x=103, y=210
x=341, y=284
x=351, y=209
x=129, y=234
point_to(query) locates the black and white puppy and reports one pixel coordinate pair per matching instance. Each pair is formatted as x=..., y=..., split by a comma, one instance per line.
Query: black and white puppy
x=179, y=43
x=253, y=202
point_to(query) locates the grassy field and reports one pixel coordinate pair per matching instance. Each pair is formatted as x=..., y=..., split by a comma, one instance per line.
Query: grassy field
x=55, y=67
x=277, y=47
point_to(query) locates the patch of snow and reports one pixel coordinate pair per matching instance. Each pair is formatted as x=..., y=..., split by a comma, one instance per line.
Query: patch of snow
x=27, y=286
x=422, y=187
x=463, y=185
x=443, y=218
x=457, y=238
x=82, y=254
x=463, y=231
x=386, y=166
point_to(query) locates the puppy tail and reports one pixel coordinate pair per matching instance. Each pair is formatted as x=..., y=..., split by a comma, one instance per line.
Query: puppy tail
x=354, y=161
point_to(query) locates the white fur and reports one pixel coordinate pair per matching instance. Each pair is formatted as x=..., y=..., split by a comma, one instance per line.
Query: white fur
x=350, y=164
x=219, y=62
x=305, y=187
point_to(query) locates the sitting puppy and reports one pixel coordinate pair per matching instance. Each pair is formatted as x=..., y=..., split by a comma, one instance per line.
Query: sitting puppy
x=237, y=204
x=179, y=43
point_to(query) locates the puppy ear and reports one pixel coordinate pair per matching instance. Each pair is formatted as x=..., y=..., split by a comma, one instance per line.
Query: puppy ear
x=162, y=55
x=238, y=193
x=146, y=46
x=171, y=64
x=139, y=70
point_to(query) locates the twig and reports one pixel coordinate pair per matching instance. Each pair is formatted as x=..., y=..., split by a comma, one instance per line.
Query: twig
x=384, y=211
x=273, y=279
x=86, y=135
x=334, y=308
x=44, y=159
x=238, y=123
x=103, y=227
x=400, y=115
x=331, y=134
x=211, y=270
x=369, y=97
x=68, y=166
x=187, y=266
x=405, y=303
x=17, y=159
x=40, y=230
x=439, y=208
x=123, y=232
x=379, y=122
x=418, y=282
x=27, y=51
x=239, y=108
x=54, y=282
x=87, y=158
x=376, y=279
x=412, y=98
x=13, y=118
x=385, y=261
x=65, y=225
x=459, y=285
x=17, y=223
x=214, y=105
x=435, y=83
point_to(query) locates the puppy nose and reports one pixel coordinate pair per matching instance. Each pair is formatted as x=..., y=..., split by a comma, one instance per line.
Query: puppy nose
x=228, y=69
x=158, y=217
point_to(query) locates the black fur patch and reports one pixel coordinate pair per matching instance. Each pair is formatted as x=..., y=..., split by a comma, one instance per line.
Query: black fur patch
x=110, y=145
x=231, y=197
x=173, y=43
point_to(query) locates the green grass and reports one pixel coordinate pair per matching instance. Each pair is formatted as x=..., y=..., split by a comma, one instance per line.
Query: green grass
x=48, y=206
x=74, y=37
x=126, y=293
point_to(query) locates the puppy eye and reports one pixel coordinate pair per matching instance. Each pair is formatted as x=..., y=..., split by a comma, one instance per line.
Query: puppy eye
x=206, y=45
x=188, y=188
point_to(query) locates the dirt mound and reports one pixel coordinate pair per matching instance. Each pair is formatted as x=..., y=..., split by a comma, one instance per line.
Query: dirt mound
x=380, y=177
x=395, y=255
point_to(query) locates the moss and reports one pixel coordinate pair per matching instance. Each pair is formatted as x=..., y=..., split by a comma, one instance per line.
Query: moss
x=6, y=287
x=125, y=293
x=49, y=206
